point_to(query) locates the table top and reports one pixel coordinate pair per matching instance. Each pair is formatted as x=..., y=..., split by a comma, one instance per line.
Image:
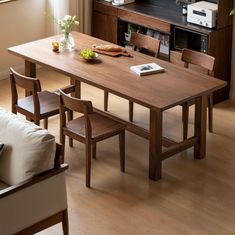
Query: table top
x=157, y=91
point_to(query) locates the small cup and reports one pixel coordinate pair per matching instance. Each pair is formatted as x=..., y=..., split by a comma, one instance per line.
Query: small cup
x=55, y=46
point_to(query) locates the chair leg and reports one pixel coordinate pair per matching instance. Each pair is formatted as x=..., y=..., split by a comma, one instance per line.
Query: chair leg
x=106, y=100
x=65, y=222
x=185, y=114
x=37, y=122
x=88, y=164
x=94, y=150
x=45, y=123
x=210, y=112
x=70, y=142
x=70, y=117
x=62, y=141
x=122, y=150
x=13, y=109
x=131, y=108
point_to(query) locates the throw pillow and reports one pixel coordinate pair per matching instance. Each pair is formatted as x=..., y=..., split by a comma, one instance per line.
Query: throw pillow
x=28, y=149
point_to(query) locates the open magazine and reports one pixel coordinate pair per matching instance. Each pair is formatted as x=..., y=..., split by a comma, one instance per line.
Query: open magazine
x=145, y=69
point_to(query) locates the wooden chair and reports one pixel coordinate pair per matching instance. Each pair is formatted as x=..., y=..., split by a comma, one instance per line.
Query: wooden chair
x=89, y=128
x=204, y=61
x=142, y=42
x=38, y=104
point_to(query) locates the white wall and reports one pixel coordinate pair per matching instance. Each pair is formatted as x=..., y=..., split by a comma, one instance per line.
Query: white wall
x=20, y=21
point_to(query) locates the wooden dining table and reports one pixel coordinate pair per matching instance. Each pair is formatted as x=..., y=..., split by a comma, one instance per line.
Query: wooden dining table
x=158, y=92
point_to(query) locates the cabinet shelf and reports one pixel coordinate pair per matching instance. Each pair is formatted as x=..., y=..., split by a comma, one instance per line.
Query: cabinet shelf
x=163, y=16
x=127, y=27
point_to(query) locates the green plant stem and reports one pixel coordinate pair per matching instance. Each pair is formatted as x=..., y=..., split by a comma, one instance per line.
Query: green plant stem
x=232, y=12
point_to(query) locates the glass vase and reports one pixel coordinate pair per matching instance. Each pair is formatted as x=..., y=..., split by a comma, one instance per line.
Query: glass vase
x=67, y=42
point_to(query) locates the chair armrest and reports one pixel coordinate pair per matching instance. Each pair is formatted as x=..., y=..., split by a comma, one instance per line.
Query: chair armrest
x=67, y=89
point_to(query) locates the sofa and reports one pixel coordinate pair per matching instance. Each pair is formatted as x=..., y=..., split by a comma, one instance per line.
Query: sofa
x=32, y=178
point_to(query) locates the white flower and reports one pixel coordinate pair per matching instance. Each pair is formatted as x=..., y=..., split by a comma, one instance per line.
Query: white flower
x=67, y=22
x=68, y=17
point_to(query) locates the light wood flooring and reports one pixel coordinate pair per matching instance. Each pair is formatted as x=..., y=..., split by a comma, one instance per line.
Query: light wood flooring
x=194, y=197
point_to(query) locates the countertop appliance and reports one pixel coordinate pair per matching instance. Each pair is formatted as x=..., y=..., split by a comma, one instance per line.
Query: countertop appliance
x=203, y=13
x=178, y=2
x=121, y=2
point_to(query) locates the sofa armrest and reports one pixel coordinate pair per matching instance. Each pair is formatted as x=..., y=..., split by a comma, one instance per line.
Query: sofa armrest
x=59, y=157
x=34, y=180
x=34, y=200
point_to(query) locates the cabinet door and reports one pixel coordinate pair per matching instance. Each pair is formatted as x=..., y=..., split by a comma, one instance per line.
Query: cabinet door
x=105, y=27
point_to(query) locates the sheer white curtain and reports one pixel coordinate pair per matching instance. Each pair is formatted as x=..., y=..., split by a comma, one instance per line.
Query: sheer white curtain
x=83, y=10
x=58, y=9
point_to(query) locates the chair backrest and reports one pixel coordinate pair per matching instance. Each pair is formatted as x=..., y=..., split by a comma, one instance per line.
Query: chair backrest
x=139, y=40
x=77, y=105
x=198, y=58
x=27, y=83
x=30, y=85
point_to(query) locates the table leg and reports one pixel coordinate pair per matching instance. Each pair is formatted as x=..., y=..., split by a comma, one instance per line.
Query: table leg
x=30, y=71
x=200, y=127
x=77, y=85
x=155, y=145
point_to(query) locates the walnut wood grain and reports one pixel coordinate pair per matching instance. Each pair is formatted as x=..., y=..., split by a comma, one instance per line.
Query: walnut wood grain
x=147, y=21
x=105, y=22
x=105, y=27
x=158, y=92
x=138, y=41
x=205, y=61
x=37, y=104
x=186, y=187
x=105, y=8
x=114, y=74
x=89, y=129
x=164, y=15
x=200, y=127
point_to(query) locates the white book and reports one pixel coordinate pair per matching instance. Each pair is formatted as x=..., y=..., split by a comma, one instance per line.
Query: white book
x=145, y=69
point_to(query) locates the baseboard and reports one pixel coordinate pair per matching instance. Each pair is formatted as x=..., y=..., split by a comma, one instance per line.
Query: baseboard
x=5, y=74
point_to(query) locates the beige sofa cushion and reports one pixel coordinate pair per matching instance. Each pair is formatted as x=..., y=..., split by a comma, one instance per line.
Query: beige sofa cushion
x=28, y=148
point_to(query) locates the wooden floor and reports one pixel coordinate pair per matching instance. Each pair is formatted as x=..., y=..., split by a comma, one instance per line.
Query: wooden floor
x=194, y=197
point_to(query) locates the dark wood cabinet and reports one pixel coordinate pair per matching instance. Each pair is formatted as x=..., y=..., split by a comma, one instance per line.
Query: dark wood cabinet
x=105, y=22
x=165, y=17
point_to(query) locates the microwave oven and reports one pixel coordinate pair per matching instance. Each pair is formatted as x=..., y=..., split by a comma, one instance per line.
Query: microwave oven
x=184, y=38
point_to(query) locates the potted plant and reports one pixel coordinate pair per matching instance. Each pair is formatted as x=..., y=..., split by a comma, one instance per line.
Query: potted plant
x=66, y=24
x=232, y=12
